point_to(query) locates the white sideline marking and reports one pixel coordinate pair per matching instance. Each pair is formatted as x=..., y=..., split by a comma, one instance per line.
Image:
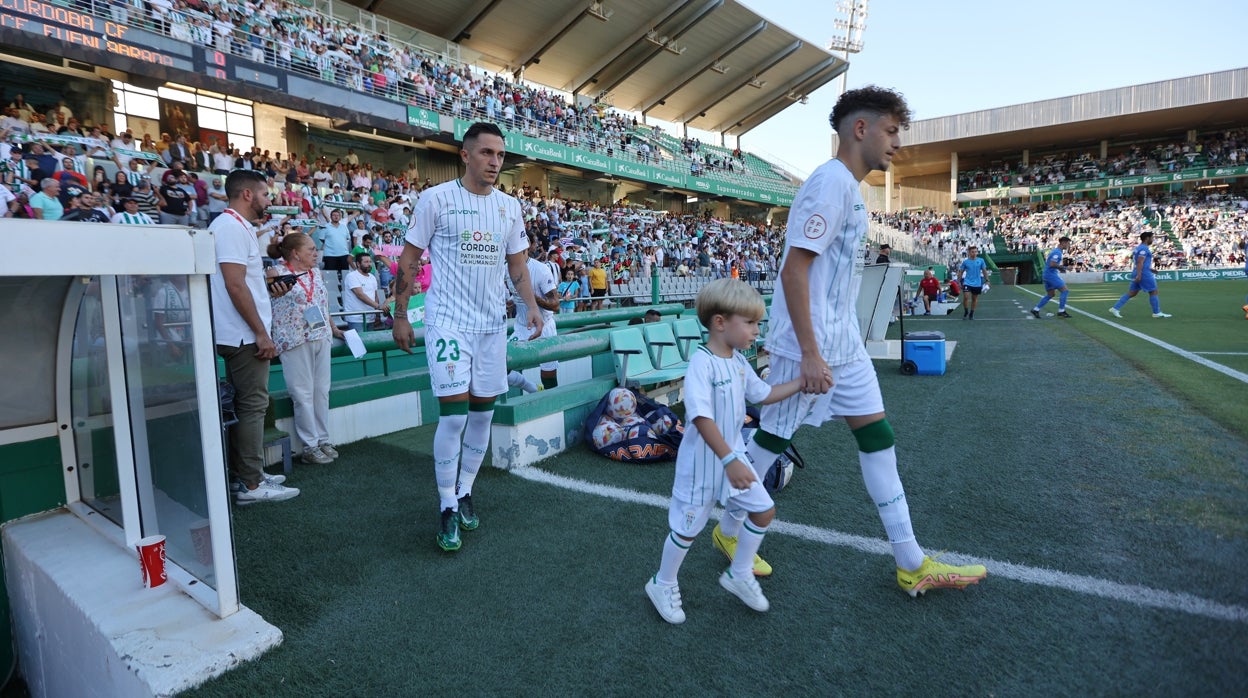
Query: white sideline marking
x=1221, y=353
x=1080, y=584
x=1190, y=356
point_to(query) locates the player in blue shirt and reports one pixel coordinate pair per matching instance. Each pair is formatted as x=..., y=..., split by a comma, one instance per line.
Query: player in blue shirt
x=1144, y=280
x=974, y=276
x=1053, y=278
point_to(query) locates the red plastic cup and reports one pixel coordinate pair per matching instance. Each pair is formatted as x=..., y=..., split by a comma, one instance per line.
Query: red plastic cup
x=152, y=561
x=201, y=539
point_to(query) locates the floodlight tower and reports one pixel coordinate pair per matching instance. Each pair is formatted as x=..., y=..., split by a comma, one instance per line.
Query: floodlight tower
x=853, y=26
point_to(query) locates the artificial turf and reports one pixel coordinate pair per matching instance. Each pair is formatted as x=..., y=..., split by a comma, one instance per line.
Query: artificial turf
x=1040, y=446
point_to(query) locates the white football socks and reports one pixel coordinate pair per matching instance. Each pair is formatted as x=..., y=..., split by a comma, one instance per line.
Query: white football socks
x=476, y=441
x=879, y=474
x=446, y=448
x=674, y=552
x=730, y=522
x=516, y=379
x=748, y=541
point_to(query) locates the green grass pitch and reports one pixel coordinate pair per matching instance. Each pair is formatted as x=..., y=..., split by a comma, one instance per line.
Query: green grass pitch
x=1102, y=480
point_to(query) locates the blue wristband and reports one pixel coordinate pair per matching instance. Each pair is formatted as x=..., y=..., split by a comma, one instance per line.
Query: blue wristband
x=731, y=457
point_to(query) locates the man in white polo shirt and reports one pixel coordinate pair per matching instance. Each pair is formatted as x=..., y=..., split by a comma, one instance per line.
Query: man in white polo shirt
x=241, y=317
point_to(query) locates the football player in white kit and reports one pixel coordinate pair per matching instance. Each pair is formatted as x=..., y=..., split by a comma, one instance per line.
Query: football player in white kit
x=814, y=328
x=475, y=235
x=544, y=287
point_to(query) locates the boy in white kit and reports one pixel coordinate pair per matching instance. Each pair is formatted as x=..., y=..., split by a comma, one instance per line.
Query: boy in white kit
x=711, y=465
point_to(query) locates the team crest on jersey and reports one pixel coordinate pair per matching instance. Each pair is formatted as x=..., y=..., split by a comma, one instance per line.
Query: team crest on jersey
x=815, y=227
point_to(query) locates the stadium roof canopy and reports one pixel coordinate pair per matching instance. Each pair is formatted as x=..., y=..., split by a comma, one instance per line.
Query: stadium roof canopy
x=1168, y=108
x=714, y=65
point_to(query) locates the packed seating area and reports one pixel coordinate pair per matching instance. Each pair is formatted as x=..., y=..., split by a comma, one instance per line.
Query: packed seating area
x=1189, y=230
x=295, y=37
x=374, y=203
x=1223, y=148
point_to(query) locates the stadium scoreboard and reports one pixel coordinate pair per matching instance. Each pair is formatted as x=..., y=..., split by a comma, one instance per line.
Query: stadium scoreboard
x=59, y=26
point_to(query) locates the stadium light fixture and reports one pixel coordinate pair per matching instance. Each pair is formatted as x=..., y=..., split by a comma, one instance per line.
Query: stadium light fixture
x=600, y=12
x=853, y=28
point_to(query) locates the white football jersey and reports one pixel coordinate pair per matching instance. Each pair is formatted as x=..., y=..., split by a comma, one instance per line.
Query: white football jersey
x=715, y=387
x=468, y=237
x=830, y=219
x=542, y=283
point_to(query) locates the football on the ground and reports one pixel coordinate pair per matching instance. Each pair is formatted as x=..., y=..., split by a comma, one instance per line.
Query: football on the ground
x=606, y=433
x=621, y=404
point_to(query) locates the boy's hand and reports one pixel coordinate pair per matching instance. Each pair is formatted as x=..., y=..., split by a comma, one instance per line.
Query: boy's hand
x=740, y=474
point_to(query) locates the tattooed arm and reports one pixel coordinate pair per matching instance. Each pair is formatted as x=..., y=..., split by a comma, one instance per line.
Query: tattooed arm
x=404, y=284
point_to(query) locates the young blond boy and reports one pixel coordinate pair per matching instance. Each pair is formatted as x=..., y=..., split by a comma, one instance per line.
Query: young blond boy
x=711, y=465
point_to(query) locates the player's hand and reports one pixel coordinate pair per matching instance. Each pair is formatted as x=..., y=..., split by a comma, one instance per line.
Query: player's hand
x=740, y=474
x=535, y=321
x=265, y=348
x=402, y=332
x=816, y=376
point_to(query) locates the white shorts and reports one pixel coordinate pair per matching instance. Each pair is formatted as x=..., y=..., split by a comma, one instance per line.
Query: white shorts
x=460, y=362
x=687, y=520
x=521, y=335
x=855, y=392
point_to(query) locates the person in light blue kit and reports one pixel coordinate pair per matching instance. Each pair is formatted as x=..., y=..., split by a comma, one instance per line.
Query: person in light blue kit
x=974, y=276
x=1053, y=278
x=1144, y=279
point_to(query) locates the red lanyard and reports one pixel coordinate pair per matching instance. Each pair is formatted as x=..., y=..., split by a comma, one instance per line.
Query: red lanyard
x=239, y=218
x=311, y=284
x=308, y=288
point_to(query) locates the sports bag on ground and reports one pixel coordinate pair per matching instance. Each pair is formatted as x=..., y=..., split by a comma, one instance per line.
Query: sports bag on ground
x=628, y=426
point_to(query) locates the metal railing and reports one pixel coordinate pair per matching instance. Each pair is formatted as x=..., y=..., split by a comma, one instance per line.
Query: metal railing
x=345, y=71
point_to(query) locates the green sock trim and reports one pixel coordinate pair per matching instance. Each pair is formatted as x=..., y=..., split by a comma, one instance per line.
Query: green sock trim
x=754, y=529
x=550, y=382
x=474, y=406
x=452, y=408
x=876, y=436
x=676, y=539
x=771, y=442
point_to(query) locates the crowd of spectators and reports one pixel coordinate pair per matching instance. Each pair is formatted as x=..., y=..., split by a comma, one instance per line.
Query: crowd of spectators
x=296, y=38
x=1190, y=230
x=1223, y=148
x=627, y=243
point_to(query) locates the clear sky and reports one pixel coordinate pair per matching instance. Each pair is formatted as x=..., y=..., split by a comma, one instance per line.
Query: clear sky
x=956, y=57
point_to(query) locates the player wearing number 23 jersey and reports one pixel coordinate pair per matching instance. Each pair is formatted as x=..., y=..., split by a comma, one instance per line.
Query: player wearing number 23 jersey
x=471, y=235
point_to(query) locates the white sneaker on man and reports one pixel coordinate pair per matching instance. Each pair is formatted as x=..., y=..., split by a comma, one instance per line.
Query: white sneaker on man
x=267, y=491
x=1162, y=315
x=1114, y=312
x=237, y=485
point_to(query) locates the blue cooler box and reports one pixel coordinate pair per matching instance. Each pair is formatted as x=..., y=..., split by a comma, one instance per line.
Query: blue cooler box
x=923, y=353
